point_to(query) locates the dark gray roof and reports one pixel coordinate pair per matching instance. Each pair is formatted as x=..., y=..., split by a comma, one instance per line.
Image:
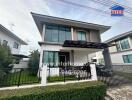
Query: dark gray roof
x=120, y=36
x=9, y=33
x=41, y=19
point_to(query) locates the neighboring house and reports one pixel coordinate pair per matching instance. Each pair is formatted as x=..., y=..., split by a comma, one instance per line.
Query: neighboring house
x=65, y=40
x=14, y=42
x=121, y=54
x=10, y=39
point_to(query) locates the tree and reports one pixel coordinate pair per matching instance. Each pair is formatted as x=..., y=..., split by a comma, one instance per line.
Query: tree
x=6, y=61
x=34, y=62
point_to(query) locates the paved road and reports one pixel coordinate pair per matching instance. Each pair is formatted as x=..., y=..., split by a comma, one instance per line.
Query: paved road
x=119, y=87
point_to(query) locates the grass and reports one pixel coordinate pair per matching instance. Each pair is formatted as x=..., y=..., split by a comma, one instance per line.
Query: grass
x=61, y=78
x=72, y=91
x=129, y=75
x=13, y=78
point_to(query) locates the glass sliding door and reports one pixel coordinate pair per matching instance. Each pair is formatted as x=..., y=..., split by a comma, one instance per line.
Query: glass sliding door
x=50, y=57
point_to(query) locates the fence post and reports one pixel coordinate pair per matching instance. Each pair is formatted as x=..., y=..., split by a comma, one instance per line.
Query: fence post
x=44, y=75
x=64, y=64
x=93, y=71
x=19, y=78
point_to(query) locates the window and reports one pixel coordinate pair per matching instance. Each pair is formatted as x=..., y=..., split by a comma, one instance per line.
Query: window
x=16, y=45
x=5, y=42
x=125, y=44
x=81, y=35
x=127, y=58
x=50, y=57
x=118, y=46
x=57, y=33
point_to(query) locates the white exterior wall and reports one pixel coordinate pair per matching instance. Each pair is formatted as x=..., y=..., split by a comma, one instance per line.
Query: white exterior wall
x=117, y=57
x=4, y=36
x=80, y=57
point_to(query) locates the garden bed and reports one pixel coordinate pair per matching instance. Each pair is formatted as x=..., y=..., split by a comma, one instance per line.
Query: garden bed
x=75, y=91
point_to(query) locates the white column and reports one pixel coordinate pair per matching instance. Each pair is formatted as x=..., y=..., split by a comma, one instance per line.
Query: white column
x=43, y=33
x=93, y=72
x=72, y=33
x=44, y=75
x=41, y=57
x=130, y=42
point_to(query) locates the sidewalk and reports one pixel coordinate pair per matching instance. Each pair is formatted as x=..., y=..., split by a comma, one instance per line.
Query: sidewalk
x=121, y=93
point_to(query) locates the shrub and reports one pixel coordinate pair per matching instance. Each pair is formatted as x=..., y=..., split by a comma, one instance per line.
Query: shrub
x=34, y=62
x=74, y=91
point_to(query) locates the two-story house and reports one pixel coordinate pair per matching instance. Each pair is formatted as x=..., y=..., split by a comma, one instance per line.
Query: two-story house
x=10, y=39
x=121, y=53
x=65, y=40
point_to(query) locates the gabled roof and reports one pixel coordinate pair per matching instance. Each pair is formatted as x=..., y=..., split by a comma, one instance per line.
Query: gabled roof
x=118, y=37
x=117, y=7
x=41, y=19
x=9, y=33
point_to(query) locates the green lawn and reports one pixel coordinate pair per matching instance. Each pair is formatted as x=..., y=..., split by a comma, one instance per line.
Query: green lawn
x=13, y=78
x=74, y=91
x=61, y=78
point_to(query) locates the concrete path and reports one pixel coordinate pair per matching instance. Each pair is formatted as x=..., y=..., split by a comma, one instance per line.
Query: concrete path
x=120, y=93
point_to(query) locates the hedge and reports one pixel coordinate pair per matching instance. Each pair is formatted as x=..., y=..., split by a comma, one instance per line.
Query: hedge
x=74, y=91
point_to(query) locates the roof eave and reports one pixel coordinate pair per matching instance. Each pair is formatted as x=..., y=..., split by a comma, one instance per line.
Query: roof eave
x=40, y=19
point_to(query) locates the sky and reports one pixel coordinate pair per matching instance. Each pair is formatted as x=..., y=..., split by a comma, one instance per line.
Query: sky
x=18, y=13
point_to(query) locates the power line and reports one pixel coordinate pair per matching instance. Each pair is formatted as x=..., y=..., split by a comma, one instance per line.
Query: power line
x=86, y=7
x=111, y=3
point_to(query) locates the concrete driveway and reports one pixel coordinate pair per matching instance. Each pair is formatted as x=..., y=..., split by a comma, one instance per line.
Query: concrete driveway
x=123, y=92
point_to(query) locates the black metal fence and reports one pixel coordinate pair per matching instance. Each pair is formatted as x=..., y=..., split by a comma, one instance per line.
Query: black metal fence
x=67, y=72
x=18, y=76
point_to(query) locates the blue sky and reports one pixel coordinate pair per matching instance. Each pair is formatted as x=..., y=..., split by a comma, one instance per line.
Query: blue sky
x=18, y=13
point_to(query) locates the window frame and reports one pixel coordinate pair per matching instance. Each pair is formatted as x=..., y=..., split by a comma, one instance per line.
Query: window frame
x=15, y=45
x=55, y=57
x=81, y=35
x=126, y=58
x=5, y=42
x=61, y=29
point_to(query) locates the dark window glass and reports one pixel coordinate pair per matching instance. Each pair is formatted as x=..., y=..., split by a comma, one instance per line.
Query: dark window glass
x=56, y=33
x=118, y=46
x=5, y=42
x=81, y=35
x=124, y=44
x=127, y=58
x=16, y=45
x=50, y=57
x=62, y=34
x=48, y=35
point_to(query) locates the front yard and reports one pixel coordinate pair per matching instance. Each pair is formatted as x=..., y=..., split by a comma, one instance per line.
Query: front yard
x=16, y=78
x=75, y=91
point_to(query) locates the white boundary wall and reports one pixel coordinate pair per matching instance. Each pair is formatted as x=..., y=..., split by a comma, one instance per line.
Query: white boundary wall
x=56, y=72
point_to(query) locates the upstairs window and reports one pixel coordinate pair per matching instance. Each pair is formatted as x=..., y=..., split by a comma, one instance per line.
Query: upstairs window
x=125, y=44
x=57, y=33
x=118, y=46
x=16, y=45
x=81, y=35
x=5, y=42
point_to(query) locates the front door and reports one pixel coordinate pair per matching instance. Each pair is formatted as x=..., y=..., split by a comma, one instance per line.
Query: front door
x=64, y=57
